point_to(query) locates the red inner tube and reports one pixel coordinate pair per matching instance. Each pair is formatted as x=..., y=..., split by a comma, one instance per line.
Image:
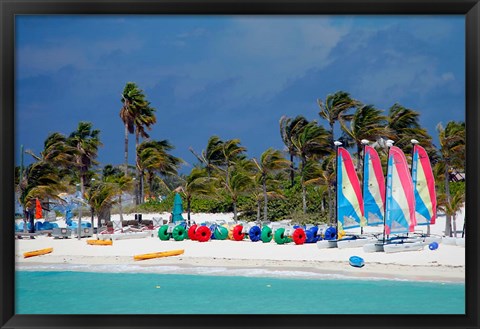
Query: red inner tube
x=299, y=236
x=203, y=234
x=237, y=233
x=191, y=232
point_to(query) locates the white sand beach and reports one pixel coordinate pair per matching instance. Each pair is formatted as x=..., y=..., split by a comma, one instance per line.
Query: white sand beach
x=446, y=264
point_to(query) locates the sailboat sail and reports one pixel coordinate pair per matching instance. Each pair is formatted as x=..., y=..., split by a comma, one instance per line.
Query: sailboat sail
x=349, y=197
x=400, y=201
x=424, y=187
x=373, y=187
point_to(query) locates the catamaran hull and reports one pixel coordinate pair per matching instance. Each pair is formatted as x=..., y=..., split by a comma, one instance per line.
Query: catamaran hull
x=449, y=241
x=354, y=243
x=373, y=247
x=324, y=244
x=124, y=236
x=404, y=246
x=460, y=242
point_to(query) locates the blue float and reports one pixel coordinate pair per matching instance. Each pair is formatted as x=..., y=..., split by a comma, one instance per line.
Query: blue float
x=433, y=246
x=255, y=233
x=356, y=261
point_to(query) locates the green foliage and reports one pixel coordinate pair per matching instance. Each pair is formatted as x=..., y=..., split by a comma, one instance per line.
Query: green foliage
x=457, y=186
x=290, y=207
x=198, y=204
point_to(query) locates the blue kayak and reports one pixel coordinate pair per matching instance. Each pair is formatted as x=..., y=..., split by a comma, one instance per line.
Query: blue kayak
x=356, y=261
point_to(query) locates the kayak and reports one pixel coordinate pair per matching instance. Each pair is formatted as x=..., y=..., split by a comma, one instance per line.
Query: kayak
x=159, y=254
x=37, y=252
x=100, y=242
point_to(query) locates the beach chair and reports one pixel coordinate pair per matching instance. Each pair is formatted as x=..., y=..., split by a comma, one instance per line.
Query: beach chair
x=117, y=224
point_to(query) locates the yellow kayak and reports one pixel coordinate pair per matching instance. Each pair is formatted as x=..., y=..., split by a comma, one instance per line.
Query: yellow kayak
x=100, y=242
x=37, y=252
x=159, y=254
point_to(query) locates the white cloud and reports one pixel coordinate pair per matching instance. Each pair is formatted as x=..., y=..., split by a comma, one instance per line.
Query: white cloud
x=262, y=55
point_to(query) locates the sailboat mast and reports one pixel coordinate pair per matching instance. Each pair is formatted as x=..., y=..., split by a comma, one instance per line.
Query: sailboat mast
x=389, y=145
x=414, y=142
x=337, y=144
x=364, y=143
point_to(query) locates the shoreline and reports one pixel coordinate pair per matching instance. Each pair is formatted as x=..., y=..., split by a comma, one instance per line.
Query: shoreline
x=260, y=268
x=245, y=258
x=446, y=264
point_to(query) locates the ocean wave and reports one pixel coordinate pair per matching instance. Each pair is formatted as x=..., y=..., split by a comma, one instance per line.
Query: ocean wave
x=200, y=270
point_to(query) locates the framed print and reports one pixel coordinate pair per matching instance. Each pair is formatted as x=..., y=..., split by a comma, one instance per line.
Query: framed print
x=227, y=164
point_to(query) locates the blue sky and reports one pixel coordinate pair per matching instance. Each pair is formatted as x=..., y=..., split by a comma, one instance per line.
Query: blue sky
x=231, y=76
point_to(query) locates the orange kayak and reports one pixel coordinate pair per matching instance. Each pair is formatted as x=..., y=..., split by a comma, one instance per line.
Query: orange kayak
x=159, y=254
x=37, y=252
x=100, y=242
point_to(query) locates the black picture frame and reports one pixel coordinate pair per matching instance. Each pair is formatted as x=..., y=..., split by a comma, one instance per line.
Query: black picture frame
x=10, y=8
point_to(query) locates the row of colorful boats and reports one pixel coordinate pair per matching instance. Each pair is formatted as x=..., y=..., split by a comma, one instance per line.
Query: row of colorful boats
x=405, y=199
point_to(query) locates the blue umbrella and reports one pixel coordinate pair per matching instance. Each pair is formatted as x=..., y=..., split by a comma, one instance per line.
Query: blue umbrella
x=177, y=209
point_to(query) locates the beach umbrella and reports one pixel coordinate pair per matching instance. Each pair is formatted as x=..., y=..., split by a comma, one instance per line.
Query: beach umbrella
x=38, y=209
x=177, y=209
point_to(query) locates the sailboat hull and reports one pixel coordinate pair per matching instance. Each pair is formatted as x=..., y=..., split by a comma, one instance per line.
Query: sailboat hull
x=325, y=244
x=373, y=247
x=404, y=246
x=356, y=242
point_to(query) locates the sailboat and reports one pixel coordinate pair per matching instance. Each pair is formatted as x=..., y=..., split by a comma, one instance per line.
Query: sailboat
x=373, y=187
x=349, y=204
x=399, y=206
x=424, y=191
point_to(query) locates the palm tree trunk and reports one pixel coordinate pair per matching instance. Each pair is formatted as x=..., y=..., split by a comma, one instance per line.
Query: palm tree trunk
x=120, y=206
x=304, y=190
x=188, y=210
x=330, y=206
x=126, y=149
x=454, y=225
x=258, y=210
x=292, y=171
x=448, y=218
x=304, y=197
x=265, y=199
x=141, y=187
x=235, y=211
x=331, y=134
x=137, y=195
x=359, y=161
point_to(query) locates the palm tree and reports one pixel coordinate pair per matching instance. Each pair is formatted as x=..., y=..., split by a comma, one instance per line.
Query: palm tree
x=451, y=206
x=40, y=181
x=334, y=109
x=366, y=123
x=101, y=197
x=154, y=157
x=196, y=183
x=323, y=176
x=288, y=128
x=123, y=183
x=271, y=161
x=403, y=124
x=132, y=100
x=452, y=154
x=237, y=183
x=212, y=155
x=86, y=142
x=310, y=143
x=56, y=151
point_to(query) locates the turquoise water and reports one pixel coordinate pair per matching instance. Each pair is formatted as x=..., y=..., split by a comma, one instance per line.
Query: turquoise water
x=72, y=292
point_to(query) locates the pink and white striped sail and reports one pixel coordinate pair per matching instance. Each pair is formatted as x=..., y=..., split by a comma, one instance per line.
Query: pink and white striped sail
x=400, y=199
x=349, y=194
x=424, y=187
x=373, y=187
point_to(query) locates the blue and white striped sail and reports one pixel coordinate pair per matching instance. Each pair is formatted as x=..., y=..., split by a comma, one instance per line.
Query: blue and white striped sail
x=373, y=187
